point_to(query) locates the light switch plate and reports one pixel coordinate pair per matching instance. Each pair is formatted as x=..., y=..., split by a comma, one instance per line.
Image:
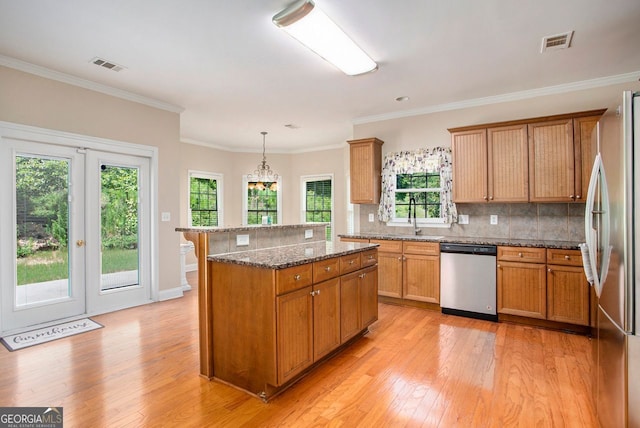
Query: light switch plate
x=166, y=216
x=493, y=219
x=242, y=240
x=371, y=218
x=308, y=233
x=463, y=219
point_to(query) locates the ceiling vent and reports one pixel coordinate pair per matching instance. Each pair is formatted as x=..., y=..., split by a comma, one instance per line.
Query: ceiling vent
x=557, y=41
x=107, y=64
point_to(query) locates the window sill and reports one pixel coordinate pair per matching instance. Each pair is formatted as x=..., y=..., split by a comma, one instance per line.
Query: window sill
x=436, y=224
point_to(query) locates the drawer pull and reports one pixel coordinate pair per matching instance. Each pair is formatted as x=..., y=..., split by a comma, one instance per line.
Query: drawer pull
x=371, y=257
x=351, y=262
x=549, y=270
x=297, y=277
x=315, y=293
x=327, y=269
x=519, y=254
x=567, y=258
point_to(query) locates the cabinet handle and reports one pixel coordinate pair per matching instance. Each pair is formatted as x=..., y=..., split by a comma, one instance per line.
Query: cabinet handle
x=371, y=257
x=313, y=293
x=327, y=269
x=519, y=254
x=362, y=275
x=317, y=292
x=567, y=258
x=485, y=197
x=549, y=270
x=572, y=197
x=351, y=262
x=400, y=258
x=498, y=266
x=491, y=198
x=578, y=197
x=297, y=277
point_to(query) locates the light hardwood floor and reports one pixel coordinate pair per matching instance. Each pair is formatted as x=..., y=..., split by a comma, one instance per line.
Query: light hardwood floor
x=415, y=368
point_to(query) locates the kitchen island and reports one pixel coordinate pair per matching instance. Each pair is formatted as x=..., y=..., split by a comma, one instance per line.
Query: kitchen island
x=279, y=312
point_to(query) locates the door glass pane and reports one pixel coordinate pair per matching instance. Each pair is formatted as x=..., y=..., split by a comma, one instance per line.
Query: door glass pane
x=119, y=226
x=42, y=225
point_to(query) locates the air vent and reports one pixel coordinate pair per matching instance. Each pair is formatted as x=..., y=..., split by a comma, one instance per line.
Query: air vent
x=557, y=41
x=107, y=64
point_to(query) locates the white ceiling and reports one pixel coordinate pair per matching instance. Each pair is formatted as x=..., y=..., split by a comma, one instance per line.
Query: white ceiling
x=235, y=74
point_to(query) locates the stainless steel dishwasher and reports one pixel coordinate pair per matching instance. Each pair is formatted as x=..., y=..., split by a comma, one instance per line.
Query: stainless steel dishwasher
x=468, y=280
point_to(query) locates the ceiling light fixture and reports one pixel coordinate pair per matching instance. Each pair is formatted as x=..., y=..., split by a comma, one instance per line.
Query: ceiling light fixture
x=263, y=173
x=313, y=28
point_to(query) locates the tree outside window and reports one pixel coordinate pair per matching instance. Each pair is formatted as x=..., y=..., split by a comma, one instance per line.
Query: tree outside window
x=425, y=188
x=204, y=195
x=262, y=201
x=318, y=205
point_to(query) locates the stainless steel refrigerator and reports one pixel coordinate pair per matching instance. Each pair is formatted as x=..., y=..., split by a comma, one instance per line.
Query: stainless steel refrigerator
x=612, y=233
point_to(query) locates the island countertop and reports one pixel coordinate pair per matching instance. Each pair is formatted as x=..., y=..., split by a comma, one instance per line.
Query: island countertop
x=291, y=255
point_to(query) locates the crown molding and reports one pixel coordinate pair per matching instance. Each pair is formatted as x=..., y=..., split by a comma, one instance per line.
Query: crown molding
x=503, y=98
x=86, y=84
x=248, y=150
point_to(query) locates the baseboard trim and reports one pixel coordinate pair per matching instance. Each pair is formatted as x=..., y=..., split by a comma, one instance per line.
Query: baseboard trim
x=191, y=267
x=172, y=293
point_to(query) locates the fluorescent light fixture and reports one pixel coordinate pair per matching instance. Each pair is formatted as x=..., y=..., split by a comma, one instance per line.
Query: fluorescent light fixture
x=314, y=29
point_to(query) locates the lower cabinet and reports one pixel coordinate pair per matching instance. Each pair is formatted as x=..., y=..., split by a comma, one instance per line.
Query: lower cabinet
x=409, y=270
x=358, y=302
x=546, y=284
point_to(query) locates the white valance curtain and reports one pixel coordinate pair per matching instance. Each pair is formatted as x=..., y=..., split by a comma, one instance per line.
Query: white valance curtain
x=431, y=160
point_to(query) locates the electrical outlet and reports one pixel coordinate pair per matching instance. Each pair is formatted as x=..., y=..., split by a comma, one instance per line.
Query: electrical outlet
x=166, y=216
x=463, y=219
x=242, y=240
x=493, y=219
x=308, y=233
x=371, y=218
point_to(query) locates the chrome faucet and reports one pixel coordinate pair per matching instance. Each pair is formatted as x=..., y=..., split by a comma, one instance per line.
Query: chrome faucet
x=416, y=230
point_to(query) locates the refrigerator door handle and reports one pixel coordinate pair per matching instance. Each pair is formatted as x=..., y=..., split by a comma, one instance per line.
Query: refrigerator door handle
x=598, y=273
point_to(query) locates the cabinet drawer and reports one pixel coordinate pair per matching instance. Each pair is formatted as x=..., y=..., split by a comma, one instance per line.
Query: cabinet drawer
x=564, y=257
x=293, y=278
x=522, y=254
x=425, y=248
x=349, y=263
x=387, y=246
x=368, y=258
x=326, y=269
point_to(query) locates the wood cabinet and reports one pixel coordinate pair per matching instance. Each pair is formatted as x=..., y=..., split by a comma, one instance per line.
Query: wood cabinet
x=544, y=284
x=409, y=270
x=365, y=156
x=522, y=283
x=272, y=325
x=546, y=159
x=490, y=165
x=567, y=288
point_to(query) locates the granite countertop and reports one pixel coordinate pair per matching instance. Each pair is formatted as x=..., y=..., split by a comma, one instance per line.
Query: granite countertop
x=247, y=228
x=291, y=255
x=563, y=245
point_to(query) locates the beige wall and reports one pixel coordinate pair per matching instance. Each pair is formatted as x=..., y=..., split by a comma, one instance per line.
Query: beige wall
x=532, y=221
x=233, y=165
x=31, y=100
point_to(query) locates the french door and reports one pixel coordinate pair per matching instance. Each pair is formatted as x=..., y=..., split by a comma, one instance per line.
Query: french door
x=75, y=227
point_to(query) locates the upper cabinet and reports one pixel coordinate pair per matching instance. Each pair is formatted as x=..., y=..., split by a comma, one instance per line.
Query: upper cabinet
x=538, y=160
x=490, y=164
x=366, y=170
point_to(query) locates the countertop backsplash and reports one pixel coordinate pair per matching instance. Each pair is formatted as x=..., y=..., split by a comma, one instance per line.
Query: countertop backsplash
x=547, y=222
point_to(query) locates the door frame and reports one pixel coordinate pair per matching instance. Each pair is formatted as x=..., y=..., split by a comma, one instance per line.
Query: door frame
x=34, y=134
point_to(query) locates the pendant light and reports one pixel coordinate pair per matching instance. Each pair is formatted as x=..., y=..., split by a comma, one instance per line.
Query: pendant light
x=264, y=173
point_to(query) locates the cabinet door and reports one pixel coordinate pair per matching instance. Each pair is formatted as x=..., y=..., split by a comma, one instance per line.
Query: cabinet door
x=295, y=333
x=422, y=278
x=369, y=297
x=390, y=274
x=522, y=289
x=551, y=161
x=326, y=317
x=584, y=139
x=567, y=294
x=365, y=170
x=349, y=306
x=508, y=167
x=469, y=163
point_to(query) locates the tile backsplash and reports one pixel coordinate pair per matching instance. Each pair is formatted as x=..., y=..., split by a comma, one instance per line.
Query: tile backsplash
x=548, y=222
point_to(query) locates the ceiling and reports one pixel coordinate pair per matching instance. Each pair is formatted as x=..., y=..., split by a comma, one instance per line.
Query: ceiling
x=232, y=73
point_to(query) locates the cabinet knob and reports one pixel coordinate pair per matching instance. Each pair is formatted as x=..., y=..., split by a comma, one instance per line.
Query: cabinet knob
x=578, y=197
x=297, y=277
x=327, y=269
x=491, y=198
x=567, y=257
x=370, y=257
x=485, y=197
x=317, y=292
x=362, y=275
x=351, y=262
x=519, y=254
x=549, y=270
x=400, y=258
x=572, y=197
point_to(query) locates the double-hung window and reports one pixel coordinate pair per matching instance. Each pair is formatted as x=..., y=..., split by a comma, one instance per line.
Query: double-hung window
x=419, y=178
x=317, y=201
x=262, y=202
x=205, y=196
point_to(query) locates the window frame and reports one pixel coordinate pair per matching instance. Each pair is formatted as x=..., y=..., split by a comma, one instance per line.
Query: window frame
x=426, y=222
x=220, y=189
x=245, y=207
x=304, y=179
